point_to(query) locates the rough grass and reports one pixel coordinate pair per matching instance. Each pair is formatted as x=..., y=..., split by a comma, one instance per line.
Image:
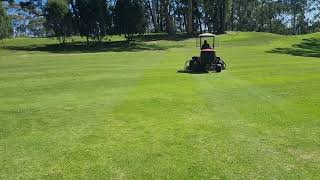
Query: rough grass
x=125, y=113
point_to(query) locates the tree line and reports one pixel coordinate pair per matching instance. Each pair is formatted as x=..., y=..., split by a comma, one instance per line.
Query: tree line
x=95, y=19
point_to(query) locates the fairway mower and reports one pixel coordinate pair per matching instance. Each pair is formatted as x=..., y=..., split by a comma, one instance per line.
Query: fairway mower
x=208, y=61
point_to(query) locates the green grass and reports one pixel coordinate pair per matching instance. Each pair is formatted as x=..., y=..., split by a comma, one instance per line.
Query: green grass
x=125, y=113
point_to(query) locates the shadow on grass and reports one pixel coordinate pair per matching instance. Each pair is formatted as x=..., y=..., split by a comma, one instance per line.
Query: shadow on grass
x=81, y=47
x=192, y=72
x=307, y=48
x=158, y=37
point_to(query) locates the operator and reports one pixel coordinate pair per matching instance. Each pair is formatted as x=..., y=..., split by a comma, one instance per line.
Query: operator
x=205, y=45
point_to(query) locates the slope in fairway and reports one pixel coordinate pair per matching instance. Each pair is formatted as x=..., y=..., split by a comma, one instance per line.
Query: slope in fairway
x=127, y=114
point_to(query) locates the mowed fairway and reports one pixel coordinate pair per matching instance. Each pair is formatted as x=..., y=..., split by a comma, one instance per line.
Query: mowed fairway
x=125, y=113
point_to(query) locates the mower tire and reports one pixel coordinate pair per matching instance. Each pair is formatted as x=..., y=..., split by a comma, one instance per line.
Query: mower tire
x=218, y=68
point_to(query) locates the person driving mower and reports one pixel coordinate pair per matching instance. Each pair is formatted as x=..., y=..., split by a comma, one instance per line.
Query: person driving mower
x=205, y=45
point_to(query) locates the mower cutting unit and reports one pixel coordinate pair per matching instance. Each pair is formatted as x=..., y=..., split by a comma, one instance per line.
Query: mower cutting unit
x=208, y=61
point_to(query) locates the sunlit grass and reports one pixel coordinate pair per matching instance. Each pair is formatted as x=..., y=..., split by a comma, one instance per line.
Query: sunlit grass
x=126, y=113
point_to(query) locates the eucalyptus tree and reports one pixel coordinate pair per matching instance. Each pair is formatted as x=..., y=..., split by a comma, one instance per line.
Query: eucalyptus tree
x=166, y=6
x=129, y=18
x=152, y=6
x=93, y=19
x=5, y=23
x=58, y=19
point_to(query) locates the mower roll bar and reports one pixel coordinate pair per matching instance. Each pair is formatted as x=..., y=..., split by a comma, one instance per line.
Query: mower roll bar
x=206, y=35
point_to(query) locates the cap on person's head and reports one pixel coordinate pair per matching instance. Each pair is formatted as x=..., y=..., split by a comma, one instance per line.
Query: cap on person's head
x=205, y=41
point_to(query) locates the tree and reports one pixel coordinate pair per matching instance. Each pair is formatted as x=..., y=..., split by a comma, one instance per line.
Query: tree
x=36, y=28
x=59, y=19
x=94, y=19
x=297, y=10
x=223, y=11
x=190, y=18
x=129, y=18
x=165, y=6
x=151, y=5
x=5, y=23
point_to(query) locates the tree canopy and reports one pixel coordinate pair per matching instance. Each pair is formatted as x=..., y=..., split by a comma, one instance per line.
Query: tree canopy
x=59, y=19
x=5, y=23
x=94, y=19
x=129, y=18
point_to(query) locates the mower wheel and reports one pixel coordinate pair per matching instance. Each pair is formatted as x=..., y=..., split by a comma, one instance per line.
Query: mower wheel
x=187, y=65
x=223, y=64
x=218, y=68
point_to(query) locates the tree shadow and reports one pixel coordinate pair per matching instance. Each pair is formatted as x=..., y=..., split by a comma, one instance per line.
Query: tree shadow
x=161, y=36
x=81, y=47
x=307, y=48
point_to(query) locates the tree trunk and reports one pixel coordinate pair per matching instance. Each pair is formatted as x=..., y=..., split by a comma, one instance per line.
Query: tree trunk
x=294, y=23
x=3, y=43
x=223, y=16
x=200, y=25
x=232, y=15
x=159, y=14
x=180, y=23
x=207, y=22
x=216, y=17
x=190, y=18
x=167, y=17
x=87, y=40
x=185, y=22
x=153, y=17
x=160, y=17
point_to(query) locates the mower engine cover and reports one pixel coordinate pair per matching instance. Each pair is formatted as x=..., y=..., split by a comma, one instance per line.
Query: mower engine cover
x=208, y=56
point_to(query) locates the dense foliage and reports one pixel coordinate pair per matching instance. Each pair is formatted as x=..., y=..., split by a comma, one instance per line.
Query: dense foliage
x=94, y=19
x=5, y=23
x=59, y=19
x=129, y=18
